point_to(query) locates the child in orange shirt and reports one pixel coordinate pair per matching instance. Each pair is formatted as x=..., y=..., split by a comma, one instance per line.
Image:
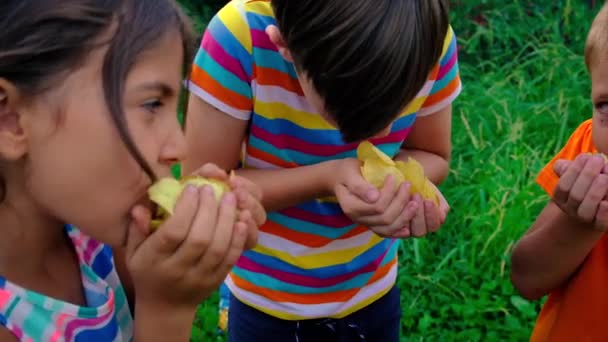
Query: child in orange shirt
x=565, y=252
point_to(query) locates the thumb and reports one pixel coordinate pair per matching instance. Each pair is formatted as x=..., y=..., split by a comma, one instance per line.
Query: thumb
x=139, y=229
x=359, y=187
x=210, y=170
x=356, y=185
x=560, y=166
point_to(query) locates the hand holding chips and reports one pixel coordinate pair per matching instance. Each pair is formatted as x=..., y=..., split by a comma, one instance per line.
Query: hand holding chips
x=377, y=166
x=166, y=191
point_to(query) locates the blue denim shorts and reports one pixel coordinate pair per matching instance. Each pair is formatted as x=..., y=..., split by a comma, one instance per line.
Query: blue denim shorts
x=379, y=321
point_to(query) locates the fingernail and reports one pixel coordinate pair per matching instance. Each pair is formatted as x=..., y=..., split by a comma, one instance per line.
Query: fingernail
x=191, y=189
x=207, y=190
x=413, y=206
x=372, y=195
x=229, y=198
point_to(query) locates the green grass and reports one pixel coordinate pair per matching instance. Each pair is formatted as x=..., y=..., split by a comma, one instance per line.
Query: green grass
x=525, y=90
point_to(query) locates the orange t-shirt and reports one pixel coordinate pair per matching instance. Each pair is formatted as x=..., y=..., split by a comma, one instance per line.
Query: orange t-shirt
x=577, y=311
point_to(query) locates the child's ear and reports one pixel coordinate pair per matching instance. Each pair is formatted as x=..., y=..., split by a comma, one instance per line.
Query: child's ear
x=13, y=140
x=277, y=39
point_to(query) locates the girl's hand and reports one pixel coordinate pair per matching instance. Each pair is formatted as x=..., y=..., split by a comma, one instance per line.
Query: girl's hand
x=582, y=189
x=187, y=258
x=385, y=211
x=249, y=199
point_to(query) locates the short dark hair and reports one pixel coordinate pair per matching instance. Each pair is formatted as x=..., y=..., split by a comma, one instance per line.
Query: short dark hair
x=367, y=59
x=41, y=41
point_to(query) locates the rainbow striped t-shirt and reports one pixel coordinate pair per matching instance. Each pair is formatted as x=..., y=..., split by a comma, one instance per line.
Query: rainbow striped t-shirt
x=33, y=317
x=311, y=260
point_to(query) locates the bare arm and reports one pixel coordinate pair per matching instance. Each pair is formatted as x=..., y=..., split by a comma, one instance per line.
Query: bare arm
x=430, y=143
x=152, y=325
x=148, y=325
x=216, y=137
x=7, y=336
x=550, y=252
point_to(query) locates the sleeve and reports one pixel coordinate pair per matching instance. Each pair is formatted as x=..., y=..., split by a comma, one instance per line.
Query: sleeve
x=447, y=84
x=222, y=69
x=579, y=142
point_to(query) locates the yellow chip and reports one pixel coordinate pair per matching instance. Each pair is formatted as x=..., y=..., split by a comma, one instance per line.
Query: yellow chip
x=367, y=151
x=166, y=191
x=375, y=172
x=413, y=173
x=377, y=166
x=429, y=192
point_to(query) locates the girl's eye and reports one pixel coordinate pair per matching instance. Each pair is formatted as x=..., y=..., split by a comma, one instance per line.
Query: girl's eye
x=152, y=105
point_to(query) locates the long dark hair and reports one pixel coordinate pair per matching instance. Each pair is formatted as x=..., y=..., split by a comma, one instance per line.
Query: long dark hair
x=41, y=41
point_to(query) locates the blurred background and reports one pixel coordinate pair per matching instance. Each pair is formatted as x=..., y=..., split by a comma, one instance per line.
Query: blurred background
x=525, y=90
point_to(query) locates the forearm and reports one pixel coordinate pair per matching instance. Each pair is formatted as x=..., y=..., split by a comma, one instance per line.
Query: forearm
x=152, y=324
x=436, y=167
x=284, y=188
x=546, y=257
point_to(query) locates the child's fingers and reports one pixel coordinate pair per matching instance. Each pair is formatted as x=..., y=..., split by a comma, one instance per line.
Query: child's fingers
x=138, y=230
x=402, y=233
x=224, y=231
x=567, y=180
x=444, y=209
x=583, y=182
x=560, y=166
x=357, y=186
x=246, y=201
x=432, y=216
x=588, y=208
x=418, y=223
x=236, y=248
x=171, y=234
x=237, y=182
x=202, y=230
x=351, y=204
x=373, y=212
x=210, y=170
x=252, y=228
x=390, y=220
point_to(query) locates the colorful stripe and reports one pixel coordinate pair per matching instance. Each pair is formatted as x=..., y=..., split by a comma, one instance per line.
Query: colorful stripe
x=30, y=316
x=311, y=260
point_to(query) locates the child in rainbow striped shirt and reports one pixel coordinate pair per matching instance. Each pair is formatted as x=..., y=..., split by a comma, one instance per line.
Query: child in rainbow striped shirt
x=88, y=97
x=301, y=83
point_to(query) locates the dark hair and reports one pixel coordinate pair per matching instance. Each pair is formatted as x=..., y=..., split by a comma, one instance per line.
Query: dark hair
x=41, y=41
x=367, y=59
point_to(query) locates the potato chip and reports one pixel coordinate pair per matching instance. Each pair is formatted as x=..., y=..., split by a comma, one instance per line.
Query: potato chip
x=413, y=173
x=367, y=151
x=166, y=191
x=429, y=192
x=375, y=172
x=377, y=166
